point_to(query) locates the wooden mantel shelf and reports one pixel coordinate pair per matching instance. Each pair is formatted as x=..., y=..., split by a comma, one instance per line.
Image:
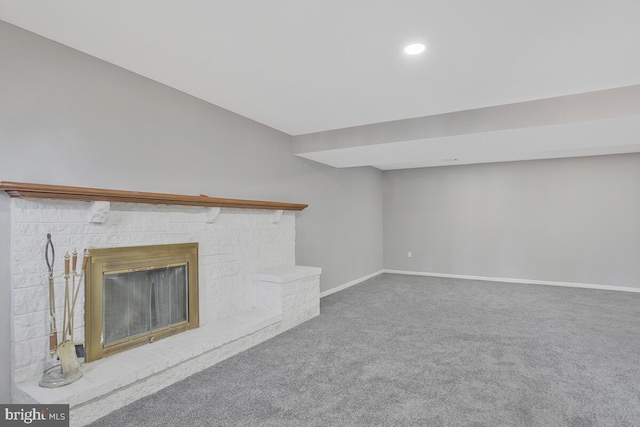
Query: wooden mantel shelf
x=44, y=191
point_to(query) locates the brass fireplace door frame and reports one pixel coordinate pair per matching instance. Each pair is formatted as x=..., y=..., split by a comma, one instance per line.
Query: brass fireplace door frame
x=130, y=259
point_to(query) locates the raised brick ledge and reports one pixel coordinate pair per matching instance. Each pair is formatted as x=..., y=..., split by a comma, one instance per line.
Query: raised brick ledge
x=121, y=370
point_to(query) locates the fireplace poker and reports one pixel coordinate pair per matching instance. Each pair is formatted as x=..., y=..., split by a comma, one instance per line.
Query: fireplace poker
x=50, y=257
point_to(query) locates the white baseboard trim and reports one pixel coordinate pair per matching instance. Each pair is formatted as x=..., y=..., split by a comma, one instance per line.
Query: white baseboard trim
x=524, y=281
x=349, y=284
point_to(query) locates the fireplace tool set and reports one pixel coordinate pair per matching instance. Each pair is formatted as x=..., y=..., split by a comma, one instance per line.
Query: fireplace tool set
x=68, y=371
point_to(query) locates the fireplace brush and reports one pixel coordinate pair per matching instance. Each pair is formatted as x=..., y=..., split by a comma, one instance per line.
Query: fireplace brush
x=65, y=313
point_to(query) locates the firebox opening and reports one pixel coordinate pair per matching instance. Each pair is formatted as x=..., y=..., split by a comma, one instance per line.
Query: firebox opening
x=139, y=294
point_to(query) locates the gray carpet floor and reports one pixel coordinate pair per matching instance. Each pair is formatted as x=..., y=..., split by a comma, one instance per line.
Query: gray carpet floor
x=417, y=351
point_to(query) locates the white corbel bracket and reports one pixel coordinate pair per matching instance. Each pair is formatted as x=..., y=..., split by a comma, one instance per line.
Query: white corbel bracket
x=275, y=218
x=211, y=214
x=98, y=212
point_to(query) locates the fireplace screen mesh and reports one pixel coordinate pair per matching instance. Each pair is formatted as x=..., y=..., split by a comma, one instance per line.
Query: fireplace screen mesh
x=140, y=302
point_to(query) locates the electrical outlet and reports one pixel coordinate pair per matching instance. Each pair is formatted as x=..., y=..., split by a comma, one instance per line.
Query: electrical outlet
x=409, y=254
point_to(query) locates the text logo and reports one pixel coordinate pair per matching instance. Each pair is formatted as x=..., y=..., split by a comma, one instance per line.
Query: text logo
x=35, y=415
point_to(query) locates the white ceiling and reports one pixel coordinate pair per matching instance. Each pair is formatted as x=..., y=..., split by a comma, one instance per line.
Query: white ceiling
x=312, y=66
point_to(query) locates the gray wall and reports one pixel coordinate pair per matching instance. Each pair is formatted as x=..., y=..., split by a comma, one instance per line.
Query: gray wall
x=567, y=220
x=68, y=118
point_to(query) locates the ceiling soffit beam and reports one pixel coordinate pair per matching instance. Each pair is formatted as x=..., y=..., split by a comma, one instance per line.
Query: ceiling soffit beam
x=590, y=106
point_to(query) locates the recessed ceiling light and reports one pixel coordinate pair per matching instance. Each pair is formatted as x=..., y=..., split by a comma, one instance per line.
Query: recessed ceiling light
x=414, y=49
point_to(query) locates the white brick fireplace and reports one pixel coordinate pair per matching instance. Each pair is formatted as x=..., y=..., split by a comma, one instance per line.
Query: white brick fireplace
x=249, y=288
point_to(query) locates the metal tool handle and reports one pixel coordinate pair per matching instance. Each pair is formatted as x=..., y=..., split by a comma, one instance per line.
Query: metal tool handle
x=47, y=249
x=67, y=258
x=74, y=261
x=85, y=259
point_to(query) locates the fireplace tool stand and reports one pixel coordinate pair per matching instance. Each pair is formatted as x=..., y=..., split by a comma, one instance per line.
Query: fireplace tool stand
x=68, y=371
